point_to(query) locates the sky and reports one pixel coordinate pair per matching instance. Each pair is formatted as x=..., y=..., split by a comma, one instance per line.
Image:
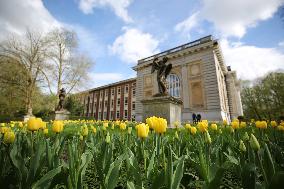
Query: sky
x=115, y=34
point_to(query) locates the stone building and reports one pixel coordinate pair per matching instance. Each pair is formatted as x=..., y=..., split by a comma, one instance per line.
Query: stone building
x=199, y=77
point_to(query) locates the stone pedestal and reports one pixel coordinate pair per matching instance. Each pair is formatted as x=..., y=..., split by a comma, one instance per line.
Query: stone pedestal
x=27, y=117
x=62, y=115
x=165, y=106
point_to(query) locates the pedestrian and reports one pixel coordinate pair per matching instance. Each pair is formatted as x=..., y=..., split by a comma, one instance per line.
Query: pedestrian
x=198, y=117
x=194, y=118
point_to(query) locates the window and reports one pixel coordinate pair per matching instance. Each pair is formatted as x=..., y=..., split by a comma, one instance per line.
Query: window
x=174, y=85
x=101, y=94
x=106, y=93
x=111, y=115
x=133, y=92
x=118, y=102
x=133, y=105
x=125, y=114
x=105, y=103
x=126, y=89
x=95, y=105
x=117, y=115
x=118, y=90
x=125, y=101
x=99, y=117
x=112, y=102
x=100, y=105
x=112, y=91
x=105, y=115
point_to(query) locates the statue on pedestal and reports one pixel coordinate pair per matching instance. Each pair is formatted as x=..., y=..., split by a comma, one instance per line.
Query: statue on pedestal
x=62, y=94
x=163, y=71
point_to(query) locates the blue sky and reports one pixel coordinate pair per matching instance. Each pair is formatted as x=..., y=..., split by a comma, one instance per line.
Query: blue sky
x=116, y=33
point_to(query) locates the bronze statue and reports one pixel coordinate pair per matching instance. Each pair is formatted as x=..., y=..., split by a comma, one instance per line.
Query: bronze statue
x=62, y=94
x=163, y=71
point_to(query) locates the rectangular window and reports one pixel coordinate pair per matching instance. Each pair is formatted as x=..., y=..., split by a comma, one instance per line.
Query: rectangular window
x=99, y=117
x=125, y=101
x=105, y=115
x=118, y=90
x=112, y=91
x=117, y=115
x=112, y=102
x=111, y=115
x=133, y=92
x=125, y=114
x=126, y=89
x=100, y=105
x=105, y=103
x=106, y=93
x=118, y=102
x=133, y=105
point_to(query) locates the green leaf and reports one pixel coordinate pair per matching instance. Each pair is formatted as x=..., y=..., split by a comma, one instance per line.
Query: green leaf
x=113, y=173
x=151, y=164
x=130, y=185
x=178, y=174
x=232, y=159
x=268, y=163
x=159, y=180
x=46, y=179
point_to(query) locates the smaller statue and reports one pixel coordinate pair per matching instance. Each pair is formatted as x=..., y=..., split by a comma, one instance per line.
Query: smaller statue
x=163, y=71
x=62, y=94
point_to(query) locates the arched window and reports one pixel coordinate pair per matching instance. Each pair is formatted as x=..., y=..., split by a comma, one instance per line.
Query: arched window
x=173, y=85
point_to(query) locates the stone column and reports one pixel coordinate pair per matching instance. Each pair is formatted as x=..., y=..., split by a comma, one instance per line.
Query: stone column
x=185, y=90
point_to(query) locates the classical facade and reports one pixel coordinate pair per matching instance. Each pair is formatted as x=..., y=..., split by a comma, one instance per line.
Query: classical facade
x=199, y=78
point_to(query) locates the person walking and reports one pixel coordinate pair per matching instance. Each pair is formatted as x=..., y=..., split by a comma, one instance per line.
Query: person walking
x=198, y=117
x=194, y=118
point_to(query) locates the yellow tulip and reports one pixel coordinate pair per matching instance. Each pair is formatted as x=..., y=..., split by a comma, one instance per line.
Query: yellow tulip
x=202, y=126
x=45, y=131
x=176, y=124
x=150, y=121
x=4, y=129
x=122, y=126
x=225, y=122
x=235, y=124
x=21, y=124
x=9, y=137
x=160, y=125
x=280, y=128
x=94, y=130
x=105, y=124
x=84, y=131
x=33, y=124
x=273, y=124
x=214, y=126
x=187, y=126
x=57, y=126
x=193, y=130
x=142, y=130
x=243, y=124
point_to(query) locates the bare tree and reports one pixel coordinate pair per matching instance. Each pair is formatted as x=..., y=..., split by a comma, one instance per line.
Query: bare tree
x=29, y=52
x=68, y=68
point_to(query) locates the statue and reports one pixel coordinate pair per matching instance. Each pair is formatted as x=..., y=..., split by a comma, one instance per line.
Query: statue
x=163, y=71
x=62, y=94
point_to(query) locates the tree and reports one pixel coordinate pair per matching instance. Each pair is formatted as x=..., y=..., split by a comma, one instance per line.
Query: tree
x=265, y=99
x=28, y=52
x=68, y=67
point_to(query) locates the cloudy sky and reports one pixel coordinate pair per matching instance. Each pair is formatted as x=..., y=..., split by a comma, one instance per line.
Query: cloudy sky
x=116, y=33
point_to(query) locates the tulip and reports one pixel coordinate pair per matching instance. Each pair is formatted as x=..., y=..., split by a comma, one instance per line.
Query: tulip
x=9, y=137
x=45, y=131
x=94, y=130
x=254, y=143
x=243, y=124
x=246, y=136
x=202, y=126
x=235, y=124
x=57, y=126
x=142, y=130
x=21, y=124
x=150, y=121
x=160, y=125
x=129, y=130
x=193, y=130
x=225, y=122
x=4, y=129
x=105, y=124
x=33, y=124
x=207, y=137
x=214, y=126
x=273, y=124
x=242, y=146
x=187, y=126
x=176, y=124
x=84, y=131
x=122, y=126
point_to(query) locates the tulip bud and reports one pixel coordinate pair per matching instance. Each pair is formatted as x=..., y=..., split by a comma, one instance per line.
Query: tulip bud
x=108, y=138
x=242, y=146
x=254, y=142
x=45, y=131
x=207, y=137
x=176, y=135
x=9, y=137
x=246, y=136
x=81, y=137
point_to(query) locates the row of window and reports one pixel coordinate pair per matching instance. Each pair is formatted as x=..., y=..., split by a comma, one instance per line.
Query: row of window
x=112, y=103
x=114, y=116
x=126, y=90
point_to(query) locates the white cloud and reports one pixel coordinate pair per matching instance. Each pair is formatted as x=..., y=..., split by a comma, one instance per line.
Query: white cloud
x=118, y=6
x=133, y=45
x=188, y=24
x=231, y=17
x=16, y=16
x=281, y=44
x=251, y=62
